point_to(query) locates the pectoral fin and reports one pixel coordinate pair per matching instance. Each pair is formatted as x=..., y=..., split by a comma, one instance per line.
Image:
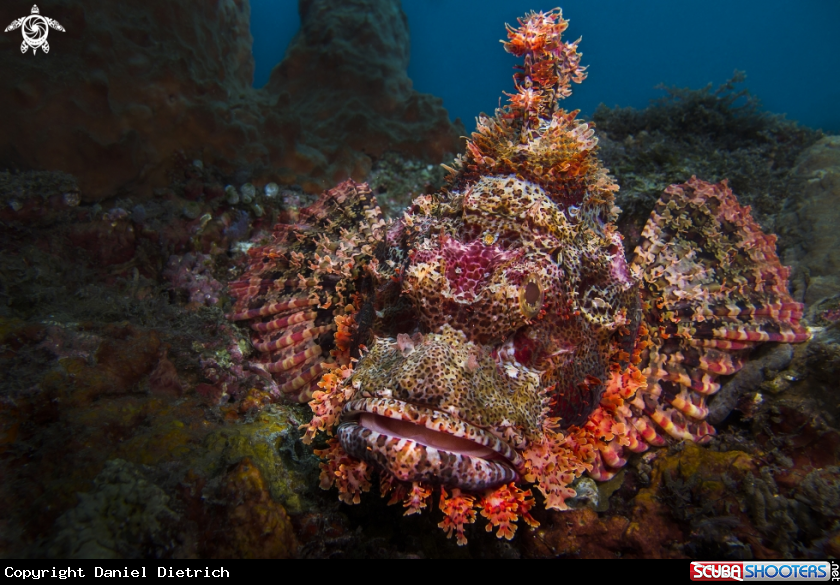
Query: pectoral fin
x=713, y=289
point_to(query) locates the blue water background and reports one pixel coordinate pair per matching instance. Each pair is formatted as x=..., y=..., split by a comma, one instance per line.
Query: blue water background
x=790, y=51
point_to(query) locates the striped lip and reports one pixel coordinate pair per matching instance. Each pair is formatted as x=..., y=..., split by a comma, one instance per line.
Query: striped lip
x=430, y=428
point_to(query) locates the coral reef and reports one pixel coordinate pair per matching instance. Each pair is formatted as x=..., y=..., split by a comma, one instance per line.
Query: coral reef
x=134, y=84
x=810, y=222
x=750, y=376
x=125, y=517
x=128, y=89
x=189, y=273
x=397, y=181
x=136, y=419
x=715, y=134
x=36, y=196
x=345, y=74
x=149, y=428
x=702, y=503
x=256, y=527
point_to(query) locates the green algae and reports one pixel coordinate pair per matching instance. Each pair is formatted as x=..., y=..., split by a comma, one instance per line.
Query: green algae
x=268, y=441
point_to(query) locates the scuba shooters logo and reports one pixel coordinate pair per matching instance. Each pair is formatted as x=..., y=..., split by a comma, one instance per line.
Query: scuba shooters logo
x=35, y=29
x=763, y=571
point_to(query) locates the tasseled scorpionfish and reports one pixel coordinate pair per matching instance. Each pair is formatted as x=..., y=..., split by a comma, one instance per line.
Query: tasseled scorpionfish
x=495, y=337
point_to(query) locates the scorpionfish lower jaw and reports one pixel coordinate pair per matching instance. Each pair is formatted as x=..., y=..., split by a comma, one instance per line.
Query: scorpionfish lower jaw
x=420, y=444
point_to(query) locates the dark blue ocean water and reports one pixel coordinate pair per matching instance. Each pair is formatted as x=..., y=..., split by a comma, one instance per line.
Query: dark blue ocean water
x=789, y=50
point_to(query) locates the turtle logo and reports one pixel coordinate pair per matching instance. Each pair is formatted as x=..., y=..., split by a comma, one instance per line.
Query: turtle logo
x=35, y=29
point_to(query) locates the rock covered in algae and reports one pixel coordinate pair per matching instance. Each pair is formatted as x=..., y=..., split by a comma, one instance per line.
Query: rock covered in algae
x=254, y=525
x=270, y=443
x=341, y=96
x=811, y=219
x=124, y=516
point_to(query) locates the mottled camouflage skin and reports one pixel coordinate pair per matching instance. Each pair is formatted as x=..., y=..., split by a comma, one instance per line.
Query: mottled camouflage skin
x=495, y=333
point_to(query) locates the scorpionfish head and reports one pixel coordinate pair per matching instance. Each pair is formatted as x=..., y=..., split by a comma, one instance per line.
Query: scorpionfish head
x=518, y=304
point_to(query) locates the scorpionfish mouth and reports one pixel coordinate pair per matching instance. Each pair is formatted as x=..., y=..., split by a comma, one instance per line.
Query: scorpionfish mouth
x=418, y=443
